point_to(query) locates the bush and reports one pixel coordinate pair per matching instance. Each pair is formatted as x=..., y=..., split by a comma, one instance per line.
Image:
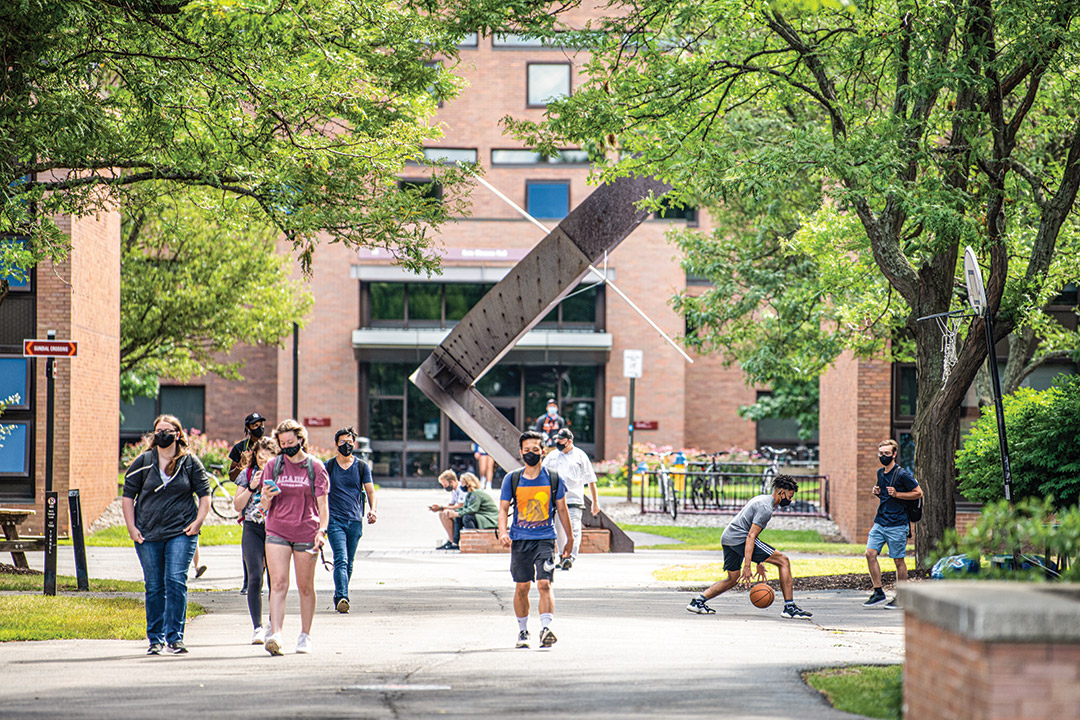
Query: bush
x=1032, y=526
x=1042, y=428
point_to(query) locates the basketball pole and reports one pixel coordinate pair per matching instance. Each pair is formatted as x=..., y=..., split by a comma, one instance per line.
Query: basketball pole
x=999, y=408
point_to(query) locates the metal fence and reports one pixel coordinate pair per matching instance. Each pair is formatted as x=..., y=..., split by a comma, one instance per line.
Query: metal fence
x=725, y=491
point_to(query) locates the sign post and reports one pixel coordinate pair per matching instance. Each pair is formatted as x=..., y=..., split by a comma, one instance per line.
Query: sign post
x=51, y=349
x=633, y=360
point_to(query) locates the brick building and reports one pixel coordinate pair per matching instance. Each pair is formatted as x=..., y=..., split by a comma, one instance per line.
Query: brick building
x=80, y=300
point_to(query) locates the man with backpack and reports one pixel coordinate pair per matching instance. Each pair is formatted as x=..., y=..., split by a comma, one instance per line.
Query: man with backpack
x=899, y=498
x=536, y=493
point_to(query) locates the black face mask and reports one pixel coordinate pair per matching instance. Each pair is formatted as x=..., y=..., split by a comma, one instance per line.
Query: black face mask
x=256, y=432
x=561, y=446
x=345, y=449
x=290, y=451
x=784, y=502
x=448, y=489
x=164, y=438
x=885, y=459
x=531, y=458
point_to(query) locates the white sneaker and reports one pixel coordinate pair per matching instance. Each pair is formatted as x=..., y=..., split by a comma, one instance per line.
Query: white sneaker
x=303, y=644
x=273, y=644
x=259, y=637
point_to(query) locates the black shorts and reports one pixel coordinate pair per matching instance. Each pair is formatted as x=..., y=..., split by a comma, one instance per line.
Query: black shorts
x=735, y=555
x=532, y=560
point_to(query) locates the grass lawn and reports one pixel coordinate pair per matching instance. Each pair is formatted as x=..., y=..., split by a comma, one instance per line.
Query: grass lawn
x=39, y=617
x=803, y=567
x=872, y=690
x=66, y=583
x=117, y=536
x=708, y=538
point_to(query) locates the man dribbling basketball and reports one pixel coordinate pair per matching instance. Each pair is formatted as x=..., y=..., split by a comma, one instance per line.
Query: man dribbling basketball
x=742, y=547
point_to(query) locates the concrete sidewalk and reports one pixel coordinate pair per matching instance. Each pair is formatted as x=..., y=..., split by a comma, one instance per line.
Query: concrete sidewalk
x=431, y=633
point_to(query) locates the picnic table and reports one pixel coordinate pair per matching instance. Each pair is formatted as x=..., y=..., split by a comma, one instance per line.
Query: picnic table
x=10, y=520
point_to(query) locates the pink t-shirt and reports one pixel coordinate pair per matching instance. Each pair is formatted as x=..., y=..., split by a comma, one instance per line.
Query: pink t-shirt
x=294, y=514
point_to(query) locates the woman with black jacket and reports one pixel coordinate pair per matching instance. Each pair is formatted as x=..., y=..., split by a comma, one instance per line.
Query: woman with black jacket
x=163, y=520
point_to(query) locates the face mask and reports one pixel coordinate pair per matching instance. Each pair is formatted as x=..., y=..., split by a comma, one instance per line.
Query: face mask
x=531, y=458
x=345, y=449
x=552, y=410
x=290, y=451
x=784, y=502
x=885, y=459
x=447, y=488
x=561, y=446
x=256, y=432
x=163, y=438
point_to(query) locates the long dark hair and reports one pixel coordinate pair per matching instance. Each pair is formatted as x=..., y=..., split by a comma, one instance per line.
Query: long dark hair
x=181, y=440
x=263, y=443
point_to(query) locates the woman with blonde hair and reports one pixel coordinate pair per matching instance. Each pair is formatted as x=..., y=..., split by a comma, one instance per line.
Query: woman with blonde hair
x=163, y=520
x=294, y=492
x=479, y=511
x=253, y=540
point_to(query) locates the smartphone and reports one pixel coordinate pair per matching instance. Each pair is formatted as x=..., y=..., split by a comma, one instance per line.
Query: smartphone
x=269, y=482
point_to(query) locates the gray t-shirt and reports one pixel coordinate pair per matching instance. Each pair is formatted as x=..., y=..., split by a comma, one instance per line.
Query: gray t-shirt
x=756, y=512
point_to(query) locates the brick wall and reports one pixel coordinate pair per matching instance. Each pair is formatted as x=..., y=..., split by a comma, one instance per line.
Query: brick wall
x=950, y=677
x=80, y=300
x=714, y=394
x=855, y=415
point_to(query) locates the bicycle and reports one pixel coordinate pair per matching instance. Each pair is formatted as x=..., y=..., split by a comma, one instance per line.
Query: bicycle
x=669, y=501
x=709, y=486
x=769, y=473
x=221, y=500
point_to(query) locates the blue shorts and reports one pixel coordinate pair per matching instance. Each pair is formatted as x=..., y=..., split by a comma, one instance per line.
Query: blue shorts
x=895, y=537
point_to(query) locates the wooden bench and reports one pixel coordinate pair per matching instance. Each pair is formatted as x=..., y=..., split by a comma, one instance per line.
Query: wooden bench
x=593, y=540
x=10, y=520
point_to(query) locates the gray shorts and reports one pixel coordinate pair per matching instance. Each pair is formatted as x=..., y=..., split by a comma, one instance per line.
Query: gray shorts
x=296, y=546
x=532, y=560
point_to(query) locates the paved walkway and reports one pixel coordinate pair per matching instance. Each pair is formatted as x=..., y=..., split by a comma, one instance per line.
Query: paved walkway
x=432, y=633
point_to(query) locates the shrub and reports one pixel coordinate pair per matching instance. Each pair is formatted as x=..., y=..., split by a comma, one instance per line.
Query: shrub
x=1042, y=428
x=1032, y=526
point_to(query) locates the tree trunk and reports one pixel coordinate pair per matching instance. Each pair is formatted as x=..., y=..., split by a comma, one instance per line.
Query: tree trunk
x=935, y=471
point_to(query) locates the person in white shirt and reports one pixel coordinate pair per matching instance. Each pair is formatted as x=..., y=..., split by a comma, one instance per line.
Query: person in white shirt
x=448, y=514
x=576, y=471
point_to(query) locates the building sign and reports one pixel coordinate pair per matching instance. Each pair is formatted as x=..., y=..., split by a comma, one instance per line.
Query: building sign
x=646, y=424
x=500, y=254
x=50, y=348
x=618, y=406
x=317, y=422
x=632, y=363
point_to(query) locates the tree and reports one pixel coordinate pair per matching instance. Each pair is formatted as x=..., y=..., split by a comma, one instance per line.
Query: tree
x=194, y=285
x=307, y=111
x=926, y=126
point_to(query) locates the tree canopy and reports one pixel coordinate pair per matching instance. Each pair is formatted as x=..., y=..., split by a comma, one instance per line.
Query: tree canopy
x=924, y=127
x=307, y=111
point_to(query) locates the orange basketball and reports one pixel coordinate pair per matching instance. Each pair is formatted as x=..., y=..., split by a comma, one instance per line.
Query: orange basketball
x=761, y=595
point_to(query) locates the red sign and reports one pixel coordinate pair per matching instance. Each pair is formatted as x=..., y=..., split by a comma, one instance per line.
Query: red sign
x=317, y=421
x=646, y=425
x=50, y=348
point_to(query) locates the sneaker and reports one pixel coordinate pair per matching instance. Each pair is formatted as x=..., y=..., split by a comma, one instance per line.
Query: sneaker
x=697, y=605
x=547, y=638
x=259, y=637
x=894, y=604
x=876, y=597
x=199, y=572
x=177, y=648
x=303, y=644
x=794, y=612
x=273, y=644
x=567, y=563
x=448, y=545
x=523, y=639
x=243, y=590
x=155, y=649
x=343, y=605
x=454, y=546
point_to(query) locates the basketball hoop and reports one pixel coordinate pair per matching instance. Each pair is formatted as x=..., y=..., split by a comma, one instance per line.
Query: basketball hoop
x=950, y=328
x=950, y=322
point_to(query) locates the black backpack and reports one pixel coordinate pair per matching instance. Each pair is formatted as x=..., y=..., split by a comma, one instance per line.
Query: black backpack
x=913, y=508
x=515, y=479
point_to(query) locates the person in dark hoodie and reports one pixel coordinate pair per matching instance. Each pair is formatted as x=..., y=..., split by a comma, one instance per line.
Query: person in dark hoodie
x=163, y=518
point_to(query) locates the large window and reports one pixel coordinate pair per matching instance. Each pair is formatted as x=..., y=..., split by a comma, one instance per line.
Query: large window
x=547, y=82
x=15, y=382
x=14, y=448
x=549, y=199
x=421, y=304
x=450, y=156
x=532, y=157
x=186, y=402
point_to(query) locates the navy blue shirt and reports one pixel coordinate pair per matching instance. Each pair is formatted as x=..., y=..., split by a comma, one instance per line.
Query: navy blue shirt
x=346, y=497
x=891, y=512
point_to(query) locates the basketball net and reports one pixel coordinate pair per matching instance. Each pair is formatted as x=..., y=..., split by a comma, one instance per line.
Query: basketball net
x=950, y=328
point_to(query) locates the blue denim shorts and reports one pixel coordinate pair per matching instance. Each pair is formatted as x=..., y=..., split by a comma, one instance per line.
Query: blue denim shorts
x=895, y=537
x=296, y=546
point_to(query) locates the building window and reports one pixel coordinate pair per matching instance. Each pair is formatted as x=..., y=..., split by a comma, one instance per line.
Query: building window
x=547, y=82
x=513, y=40
x=428, y=189
x=1067, y=296
x=186, y=402
x=421, y=304
x=547, y=199
x=780, y=432
x=670, y=211
x=432, y=89
x=905, y=390
x=14, y=449
x=460, y=298
x=387, y=302
x=470, y=40
x=424, y=303
x=18, y=280
x=531, y=157
x=450, y=156
x=15, y=381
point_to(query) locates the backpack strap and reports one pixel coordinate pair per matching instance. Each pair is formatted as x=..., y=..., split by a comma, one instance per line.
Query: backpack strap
x=311, y=474
x=515, y=479
x=553, y=476
x=278, y=462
